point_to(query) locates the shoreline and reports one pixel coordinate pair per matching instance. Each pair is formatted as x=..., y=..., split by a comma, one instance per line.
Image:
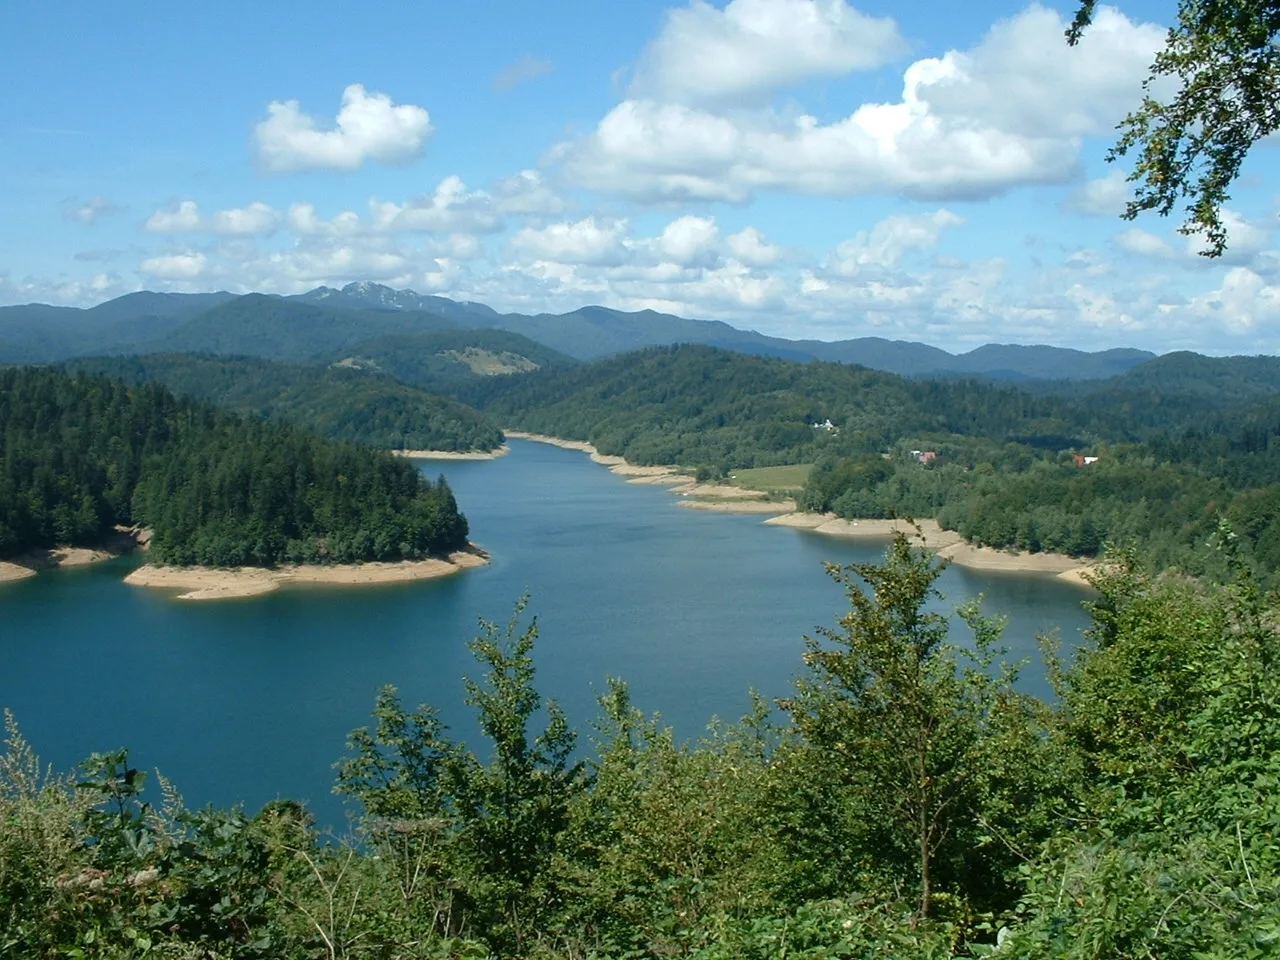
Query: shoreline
x=716, y=497
x=501, y=451
x=213, y=583
x=946, y=544
x=29, y=564
x=725, y=499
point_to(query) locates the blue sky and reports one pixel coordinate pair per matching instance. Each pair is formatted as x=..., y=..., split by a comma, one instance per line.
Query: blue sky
x=808, y=168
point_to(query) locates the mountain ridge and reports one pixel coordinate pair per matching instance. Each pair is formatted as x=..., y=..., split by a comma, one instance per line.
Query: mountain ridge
x=326, y=319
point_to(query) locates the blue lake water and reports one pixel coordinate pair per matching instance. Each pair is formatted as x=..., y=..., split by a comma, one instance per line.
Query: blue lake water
x=247, y=700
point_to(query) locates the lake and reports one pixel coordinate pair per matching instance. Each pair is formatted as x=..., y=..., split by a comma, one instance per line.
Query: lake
x=247, y=700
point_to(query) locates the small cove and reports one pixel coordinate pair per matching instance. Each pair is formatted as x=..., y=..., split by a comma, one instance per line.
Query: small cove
x=246, y=700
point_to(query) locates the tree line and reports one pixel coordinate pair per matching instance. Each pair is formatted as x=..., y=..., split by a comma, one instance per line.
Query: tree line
x=341, y=403
x=1173, y=449
x=905, y=801
x=83, y=455
x=1165, y=494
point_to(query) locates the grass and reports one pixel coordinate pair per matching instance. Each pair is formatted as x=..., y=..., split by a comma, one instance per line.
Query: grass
x=788, y=479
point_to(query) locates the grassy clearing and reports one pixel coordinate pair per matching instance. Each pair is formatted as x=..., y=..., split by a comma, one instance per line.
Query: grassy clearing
x=788, y=479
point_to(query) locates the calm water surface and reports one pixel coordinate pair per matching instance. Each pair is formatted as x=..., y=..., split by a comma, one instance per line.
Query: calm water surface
x=247, y=700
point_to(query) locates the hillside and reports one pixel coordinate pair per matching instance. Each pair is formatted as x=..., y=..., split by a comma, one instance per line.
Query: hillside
x=450, y=361
x=325, y=320
x=83, y=454
x=699, y=405
x=658, y=395
x=339, y=403
x=36, y=333
x=264, y=326
x=1168, y=393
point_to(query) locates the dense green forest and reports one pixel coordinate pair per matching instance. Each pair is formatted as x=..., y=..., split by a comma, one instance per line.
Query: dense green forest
x=1166, y=493
x=1168, y=393
x=703, y=406
x=83, y=455
x=904, y=802
x=451, y=361
x=265, y=326
x=1175, y=450
x=342, y=403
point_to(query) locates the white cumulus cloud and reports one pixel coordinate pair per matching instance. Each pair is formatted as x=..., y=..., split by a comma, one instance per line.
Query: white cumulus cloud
x=369, y=126
x=884, y=245
x=750, y=247
x=303, y=220
x=256, y=220
x=1245, y=239
x=182, y=218
x=1141, y=243
x=586, y=241
x=690, y=242
x=1243, y=303
x=174, y=266
x=450, y=209
x=969, y=124
x=527, y=193
x=705, y=54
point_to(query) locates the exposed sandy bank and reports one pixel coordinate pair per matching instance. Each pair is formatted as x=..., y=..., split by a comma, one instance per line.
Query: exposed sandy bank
x=206, y=583
x=830, y=525
x=502, y=451
x=1079, y=576
x=645, y=474
x=680, y=483
x=948, y=544
x=122, y=541
x=740, y=506
x=718, y=491
x=801, y=521
x=581, y=445
x=985, y=558
x=13, y=571
x=660, y=479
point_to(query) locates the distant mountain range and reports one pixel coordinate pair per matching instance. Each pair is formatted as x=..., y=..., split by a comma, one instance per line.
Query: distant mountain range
x=326, y=320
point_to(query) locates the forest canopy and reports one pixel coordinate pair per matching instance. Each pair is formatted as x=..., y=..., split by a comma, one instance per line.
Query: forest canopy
x=907, y=802
x=341, y=403
x=83, y=455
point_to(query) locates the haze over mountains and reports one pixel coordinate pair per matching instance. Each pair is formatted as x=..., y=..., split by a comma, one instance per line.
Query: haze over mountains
x=325, y=320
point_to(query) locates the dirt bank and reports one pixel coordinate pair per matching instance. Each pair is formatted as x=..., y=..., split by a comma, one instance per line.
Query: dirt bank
x=208, y=583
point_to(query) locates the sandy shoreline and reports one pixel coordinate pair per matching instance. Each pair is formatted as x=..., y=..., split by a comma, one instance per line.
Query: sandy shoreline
x=681, y=484
x=946, y=543
x=502, y=451
x=29, y=564
x=207, y=583
x=726, y=499
x=763, y=507
x=14, y=571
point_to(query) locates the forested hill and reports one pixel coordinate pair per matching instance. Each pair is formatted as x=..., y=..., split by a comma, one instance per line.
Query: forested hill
x=1215, y=379
x=1002, y=464
x=83, y=454
x=342, y=403
x=266, y=326
x=1166, y=494
x=325, y=320
x=450, y=361
x=699, y=405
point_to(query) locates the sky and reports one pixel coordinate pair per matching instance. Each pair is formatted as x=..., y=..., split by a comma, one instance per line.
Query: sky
x=930, y=171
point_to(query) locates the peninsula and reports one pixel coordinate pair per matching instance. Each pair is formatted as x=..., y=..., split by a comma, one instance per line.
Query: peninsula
x=86, y=458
